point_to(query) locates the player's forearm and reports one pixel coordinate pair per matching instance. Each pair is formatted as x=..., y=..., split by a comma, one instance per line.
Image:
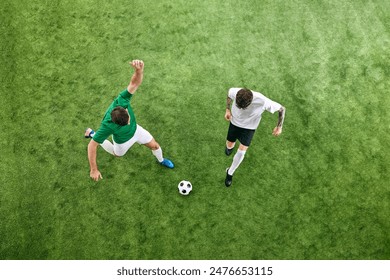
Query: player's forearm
x=136, y=79
x=228, y=103
x=92, y=152
x=282, y=112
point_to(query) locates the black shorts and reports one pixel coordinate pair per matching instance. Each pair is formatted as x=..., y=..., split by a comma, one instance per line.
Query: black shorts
x=243, y=135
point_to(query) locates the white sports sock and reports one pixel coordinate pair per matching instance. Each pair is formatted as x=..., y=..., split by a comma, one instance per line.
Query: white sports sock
x=158, y=154
x=108, y=147
x=238, y=158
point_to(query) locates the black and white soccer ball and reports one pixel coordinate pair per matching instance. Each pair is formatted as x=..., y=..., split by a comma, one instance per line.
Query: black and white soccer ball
x=185, y=187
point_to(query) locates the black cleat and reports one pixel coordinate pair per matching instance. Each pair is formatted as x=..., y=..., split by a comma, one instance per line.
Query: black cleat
x=228, y=152
x=228, y=179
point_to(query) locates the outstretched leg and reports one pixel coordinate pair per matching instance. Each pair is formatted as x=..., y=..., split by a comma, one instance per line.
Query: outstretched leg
x=156, y=149
x=157, y=152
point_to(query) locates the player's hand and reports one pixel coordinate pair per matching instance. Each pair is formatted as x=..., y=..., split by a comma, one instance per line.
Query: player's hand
x=137, y=64
x=228, y=115
x=95, y=175
x=277, y=131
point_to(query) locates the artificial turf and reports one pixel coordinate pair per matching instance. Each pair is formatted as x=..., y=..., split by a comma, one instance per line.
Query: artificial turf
x=319, y=191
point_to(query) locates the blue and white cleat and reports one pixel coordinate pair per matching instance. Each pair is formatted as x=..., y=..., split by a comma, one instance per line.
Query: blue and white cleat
x=167, y=163
x=89, y=132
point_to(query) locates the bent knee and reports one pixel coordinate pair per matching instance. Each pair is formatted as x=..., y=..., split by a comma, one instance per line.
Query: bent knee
x=243, y=148
x=153, y=145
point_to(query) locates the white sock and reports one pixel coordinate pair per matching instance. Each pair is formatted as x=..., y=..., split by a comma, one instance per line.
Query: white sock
x=238, y=158
x=158, y=154
x=108, y=147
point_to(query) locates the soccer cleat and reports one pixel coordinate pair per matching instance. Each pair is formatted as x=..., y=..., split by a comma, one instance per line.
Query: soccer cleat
x=89, y=132
x=228, y=152
x=228, y=179
x=167, y=163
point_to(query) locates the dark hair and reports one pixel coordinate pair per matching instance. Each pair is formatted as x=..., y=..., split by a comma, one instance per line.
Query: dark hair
x=244, y=98
x=120, y=116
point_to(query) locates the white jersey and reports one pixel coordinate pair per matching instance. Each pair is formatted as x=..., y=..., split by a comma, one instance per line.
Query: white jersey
x=250, y=117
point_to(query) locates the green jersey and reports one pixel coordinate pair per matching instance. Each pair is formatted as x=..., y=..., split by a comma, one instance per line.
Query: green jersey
x=120, y=133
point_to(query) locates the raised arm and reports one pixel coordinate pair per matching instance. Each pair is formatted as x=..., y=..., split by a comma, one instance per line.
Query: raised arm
x=278, y=129
x=137, y=77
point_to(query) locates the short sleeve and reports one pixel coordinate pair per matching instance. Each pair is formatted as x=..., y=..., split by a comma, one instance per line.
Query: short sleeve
x=102, y=134
x=124, y=98
x=272, y=106
x=232, y=93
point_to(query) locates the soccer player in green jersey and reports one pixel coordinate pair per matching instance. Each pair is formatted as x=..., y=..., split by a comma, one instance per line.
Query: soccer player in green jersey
x=119, y=121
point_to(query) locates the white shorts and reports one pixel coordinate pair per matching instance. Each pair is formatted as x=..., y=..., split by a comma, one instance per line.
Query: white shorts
x=141, y=136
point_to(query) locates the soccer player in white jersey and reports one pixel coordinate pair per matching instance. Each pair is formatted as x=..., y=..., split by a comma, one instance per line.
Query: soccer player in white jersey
x=244, y=108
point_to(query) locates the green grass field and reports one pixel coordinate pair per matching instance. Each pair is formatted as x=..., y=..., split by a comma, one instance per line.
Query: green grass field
x=319, y=191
